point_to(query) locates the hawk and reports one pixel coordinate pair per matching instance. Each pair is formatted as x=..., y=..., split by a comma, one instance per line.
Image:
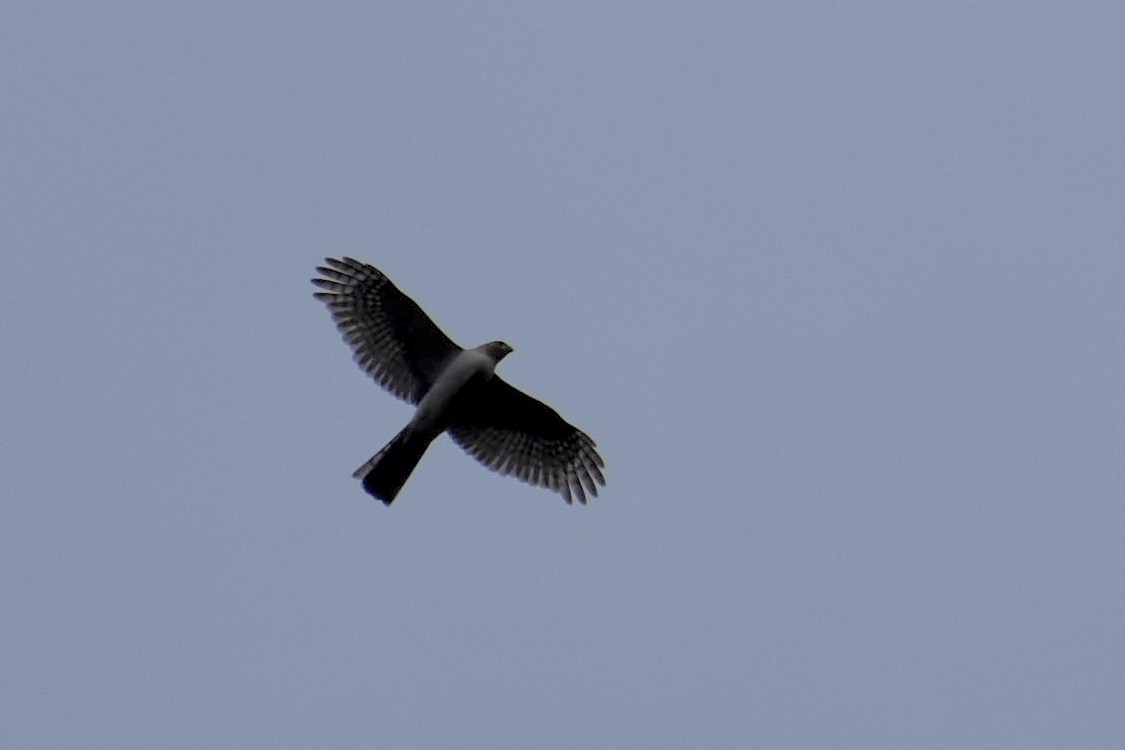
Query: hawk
x=455, y=390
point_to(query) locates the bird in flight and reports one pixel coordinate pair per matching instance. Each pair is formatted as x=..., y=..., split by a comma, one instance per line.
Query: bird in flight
x=455, y=390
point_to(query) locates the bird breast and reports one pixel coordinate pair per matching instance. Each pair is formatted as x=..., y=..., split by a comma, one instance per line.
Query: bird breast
x=465, y=374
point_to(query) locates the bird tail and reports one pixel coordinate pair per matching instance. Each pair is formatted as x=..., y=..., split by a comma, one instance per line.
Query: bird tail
x=384, y=473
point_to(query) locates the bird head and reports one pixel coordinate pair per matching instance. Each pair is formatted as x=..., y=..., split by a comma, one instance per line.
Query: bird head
x=497, y=350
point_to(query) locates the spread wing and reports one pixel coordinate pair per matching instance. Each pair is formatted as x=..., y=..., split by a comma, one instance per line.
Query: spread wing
x=513, y=433
x=393, y=340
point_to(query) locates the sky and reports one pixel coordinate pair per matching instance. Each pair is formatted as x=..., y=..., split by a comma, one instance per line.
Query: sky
x=836, y=287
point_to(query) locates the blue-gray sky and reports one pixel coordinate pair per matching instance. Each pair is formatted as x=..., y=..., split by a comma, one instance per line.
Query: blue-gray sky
x=837, y=287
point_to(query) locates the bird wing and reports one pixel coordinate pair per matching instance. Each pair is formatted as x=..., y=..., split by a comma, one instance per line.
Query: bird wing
x=393, y=340
x=513, y=433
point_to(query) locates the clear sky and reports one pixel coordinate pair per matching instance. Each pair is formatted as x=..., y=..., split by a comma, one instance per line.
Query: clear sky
x=837, y=288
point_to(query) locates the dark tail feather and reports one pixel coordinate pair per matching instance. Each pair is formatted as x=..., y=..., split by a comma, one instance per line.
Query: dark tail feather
x=384, y=473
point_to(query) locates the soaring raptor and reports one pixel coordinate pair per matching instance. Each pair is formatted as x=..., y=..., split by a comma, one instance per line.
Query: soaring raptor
x=455, y=390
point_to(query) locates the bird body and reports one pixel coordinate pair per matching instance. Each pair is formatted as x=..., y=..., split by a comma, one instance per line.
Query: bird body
x=460, y=380
x=454, y=390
